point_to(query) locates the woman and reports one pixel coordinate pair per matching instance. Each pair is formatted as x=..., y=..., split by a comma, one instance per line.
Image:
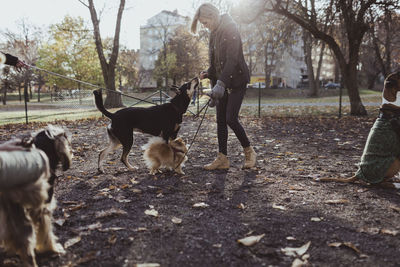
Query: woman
x=229, y=76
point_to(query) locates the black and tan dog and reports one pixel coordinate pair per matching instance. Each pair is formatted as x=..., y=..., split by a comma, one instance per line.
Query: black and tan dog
x=26, y=193
x=381, y=157
x=162, y=120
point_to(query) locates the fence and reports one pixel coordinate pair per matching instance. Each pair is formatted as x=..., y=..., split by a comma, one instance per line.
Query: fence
x=76, y=104
x=79, y=103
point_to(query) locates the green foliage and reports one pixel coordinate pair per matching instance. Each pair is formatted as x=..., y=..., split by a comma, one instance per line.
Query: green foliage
x=183, y=59
x=165, y=66
x=70, y=51
x=127, y=62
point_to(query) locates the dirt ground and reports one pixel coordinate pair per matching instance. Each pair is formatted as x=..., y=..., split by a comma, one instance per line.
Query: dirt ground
x=102, y=219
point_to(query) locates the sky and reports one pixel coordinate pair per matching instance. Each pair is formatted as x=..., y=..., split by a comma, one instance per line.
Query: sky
x=43, y=13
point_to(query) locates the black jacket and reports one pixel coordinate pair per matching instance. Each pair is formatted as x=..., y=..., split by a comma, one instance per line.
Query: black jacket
x=226, y=56
x=9, y=59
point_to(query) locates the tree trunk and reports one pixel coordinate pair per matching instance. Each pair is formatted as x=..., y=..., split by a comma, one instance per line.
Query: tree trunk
x=5, y=94
x=38, y=90
x=371, y=79
x=320, y=60
x=30, y=91
x=113, y=98
x=308, y=60
x=355, y=27
x=19, y=93
x=350, y=81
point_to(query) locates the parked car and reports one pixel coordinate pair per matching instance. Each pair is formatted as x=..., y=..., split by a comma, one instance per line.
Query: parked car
x=258, y=85
x=332, y=85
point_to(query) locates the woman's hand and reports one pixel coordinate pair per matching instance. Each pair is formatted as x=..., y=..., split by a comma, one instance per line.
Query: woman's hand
x=203, y=75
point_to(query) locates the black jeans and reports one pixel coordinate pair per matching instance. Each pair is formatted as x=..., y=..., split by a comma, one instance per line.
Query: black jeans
x=227, y=114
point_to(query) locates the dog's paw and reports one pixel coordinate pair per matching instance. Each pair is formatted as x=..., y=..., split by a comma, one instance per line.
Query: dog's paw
x=180, y=172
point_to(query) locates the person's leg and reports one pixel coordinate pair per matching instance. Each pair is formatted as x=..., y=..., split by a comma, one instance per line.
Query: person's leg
x=221, y=162
x=233, y=104
x=222, y=127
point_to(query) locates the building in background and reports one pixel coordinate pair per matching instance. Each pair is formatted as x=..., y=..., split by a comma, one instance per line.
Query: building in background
x=288, y=71
x=154, y=36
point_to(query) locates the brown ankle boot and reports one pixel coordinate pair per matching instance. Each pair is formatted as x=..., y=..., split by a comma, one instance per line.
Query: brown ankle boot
x=250, y=157
x=220, y=163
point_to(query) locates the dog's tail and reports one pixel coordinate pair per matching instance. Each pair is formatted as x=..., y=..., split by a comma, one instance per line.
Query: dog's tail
x=153, y=140
x=98, y=99
x=340, y=180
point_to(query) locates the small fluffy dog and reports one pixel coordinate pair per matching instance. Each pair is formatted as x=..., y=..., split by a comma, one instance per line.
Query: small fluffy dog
x=26, y=193
x=161, y=120
x=159, y=154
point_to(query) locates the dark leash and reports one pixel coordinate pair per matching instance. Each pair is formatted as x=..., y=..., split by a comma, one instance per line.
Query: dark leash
x=195, y=135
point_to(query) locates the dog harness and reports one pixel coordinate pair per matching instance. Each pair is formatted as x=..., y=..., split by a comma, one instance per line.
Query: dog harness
x=381, y=149
x=21, y=167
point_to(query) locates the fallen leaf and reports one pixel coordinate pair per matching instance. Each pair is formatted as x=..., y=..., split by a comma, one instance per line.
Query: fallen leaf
x=299, y=263
x=349, y=245
x=112, y=239
x=111, y=229
x=200, y=205
x=296, y=188
x=86, y=258
x=217, y=245
x=389, y=232
x=396, y=208
x=133, y=181
x=296, y=252
x=148, y=265
x=124, y=186
x=151, y=212
x=241, y=206
x=76, y=207
x=110, y=212
x=176, y=220
x=59, y=222
x=290, y=238
x=137, y=191
x=336, y=201
x=316, y=219
x=72, y=241
x=93, y=226
x=122, y=200
x=335, y=244
x=278, y=207
x=250, y=240
x=369, y=230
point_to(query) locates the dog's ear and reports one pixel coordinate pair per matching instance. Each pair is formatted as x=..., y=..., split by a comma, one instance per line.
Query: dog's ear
x=391, y=87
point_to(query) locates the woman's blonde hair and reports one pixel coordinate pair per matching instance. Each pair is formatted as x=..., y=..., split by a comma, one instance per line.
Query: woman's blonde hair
x=206, y=10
